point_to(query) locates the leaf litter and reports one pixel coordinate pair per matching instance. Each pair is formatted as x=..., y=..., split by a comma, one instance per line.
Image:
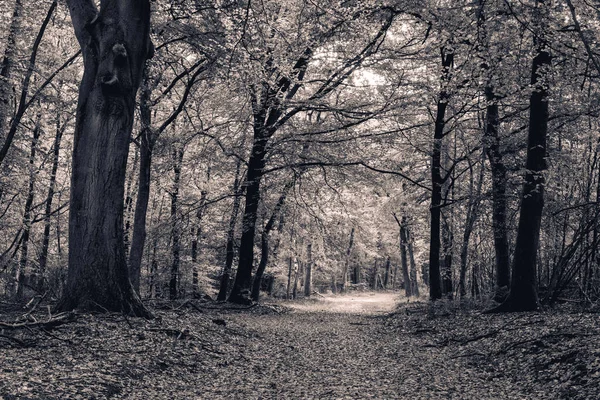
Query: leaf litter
x=343, y=347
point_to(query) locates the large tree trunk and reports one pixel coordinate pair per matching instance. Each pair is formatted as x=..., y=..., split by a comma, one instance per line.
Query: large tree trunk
x=523, y=285
x=437, y=180
x=115, y=44
x=241, y=291
x=230, y=248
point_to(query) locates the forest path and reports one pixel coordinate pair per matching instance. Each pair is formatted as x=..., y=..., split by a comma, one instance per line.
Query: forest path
x=355, y=346
x=339, y=347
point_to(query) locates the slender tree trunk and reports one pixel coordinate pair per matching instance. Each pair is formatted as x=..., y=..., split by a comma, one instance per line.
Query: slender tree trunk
x=523, y=286
x=403, y=255
x=492, y=146
x=264, y=255
x=197, y=237
x=386, y=277
x=413, y=267
x=8, y=60
x=347, y=261
x=309, y=267
x=288, y=290
x=472, y=214
x=498, y=168
x=21, y=267
x=175, y=228
x=129, y=202
x=230, y=250
x=43, y=260
x=296, y=273
x=147, y=141
x=115, y=43
x=437, y=180
x=23, y=103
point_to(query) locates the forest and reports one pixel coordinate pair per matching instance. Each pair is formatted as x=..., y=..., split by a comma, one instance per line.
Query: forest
x=254, y=176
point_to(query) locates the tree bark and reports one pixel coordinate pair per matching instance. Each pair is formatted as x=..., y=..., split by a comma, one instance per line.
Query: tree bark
x=347, y=261
x=309, y=266
x=115, y=44
x=523, y=285
x=175, y=228
x=43, y=260
x=413, y=267
x=264, y=255
x=472, y=214
x=6, y=90
x=492, y=146
x=437, y=180
x=498, y=168
x=22, y=265
x=196, y=238
x=230, y=248
x=241, y=290
x=403, y=255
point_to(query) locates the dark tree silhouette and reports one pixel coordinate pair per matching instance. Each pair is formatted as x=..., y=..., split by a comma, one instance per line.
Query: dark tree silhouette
x=115, y=44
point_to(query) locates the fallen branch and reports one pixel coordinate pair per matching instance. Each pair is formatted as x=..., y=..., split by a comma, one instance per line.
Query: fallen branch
x=51, y=323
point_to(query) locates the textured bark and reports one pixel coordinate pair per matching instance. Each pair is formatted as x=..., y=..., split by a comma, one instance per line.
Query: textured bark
x=43, y=260
x=175, y=228
x=147, y=141
x=492, y=148
x=437, y=180
x=264, y=254
x=8, y=60
x=413, y=267
x=115, y=44
x=22, y=265
x=308, y=276
x=404, y=255
x=472, y=214
x=523, y=286
x=241, y=290
x=230, y=248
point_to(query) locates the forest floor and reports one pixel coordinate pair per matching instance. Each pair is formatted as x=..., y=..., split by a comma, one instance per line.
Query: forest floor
x=355, y=346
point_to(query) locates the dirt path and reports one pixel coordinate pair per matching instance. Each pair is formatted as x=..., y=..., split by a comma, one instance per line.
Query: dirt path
x=342, y=347
x=339, y=348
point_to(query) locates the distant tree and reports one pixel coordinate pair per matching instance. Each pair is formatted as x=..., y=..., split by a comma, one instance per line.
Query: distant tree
x=115, y=44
